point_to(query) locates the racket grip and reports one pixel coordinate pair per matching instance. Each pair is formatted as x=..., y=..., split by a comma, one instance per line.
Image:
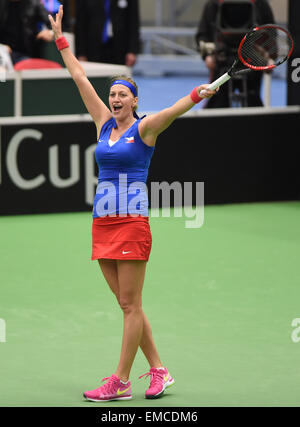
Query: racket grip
x=217, y=83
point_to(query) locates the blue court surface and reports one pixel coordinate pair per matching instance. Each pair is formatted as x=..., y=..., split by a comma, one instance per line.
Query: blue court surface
x=156, y=93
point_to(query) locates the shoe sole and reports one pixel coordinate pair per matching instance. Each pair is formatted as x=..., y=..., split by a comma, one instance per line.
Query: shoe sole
x=107, y=400
x=156, y=396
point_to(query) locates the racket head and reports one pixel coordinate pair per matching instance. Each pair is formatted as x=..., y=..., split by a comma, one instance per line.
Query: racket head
x=265, y=47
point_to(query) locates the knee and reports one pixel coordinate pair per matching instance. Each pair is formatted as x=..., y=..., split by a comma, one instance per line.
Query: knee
x=130, y=305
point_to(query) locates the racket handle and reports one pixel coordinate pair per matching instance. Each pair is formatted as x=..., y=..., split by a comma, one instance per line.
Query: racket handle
x=217, y=83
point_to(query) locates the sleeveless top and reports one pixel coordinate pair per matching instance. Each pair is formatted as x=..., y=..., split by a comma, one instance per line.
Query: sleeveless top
x=123, y=171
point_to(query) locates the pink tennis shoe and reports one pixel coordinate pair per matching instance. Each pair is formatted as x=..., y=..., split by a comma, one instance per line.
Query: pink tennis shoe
x=113, y=389
x=159, y=381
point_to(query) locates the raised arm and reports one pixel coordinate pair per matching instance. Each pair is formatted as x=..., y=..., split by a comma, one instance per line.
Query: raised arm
x=95, y=106
x=151, y=126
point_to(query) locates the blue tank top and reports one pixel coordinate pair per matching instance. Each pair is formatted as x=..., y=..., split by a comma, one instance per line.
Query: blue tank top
x=123, y=171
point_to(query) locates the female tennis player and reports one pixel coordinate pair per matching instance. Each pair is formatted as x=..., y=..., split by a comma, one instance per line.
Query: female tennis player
x=121, y=231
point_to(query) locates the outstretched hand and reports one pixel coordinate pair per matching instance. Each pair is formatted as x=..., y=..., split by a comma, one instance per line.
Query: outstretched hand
x=56, y=25
x=206, y=93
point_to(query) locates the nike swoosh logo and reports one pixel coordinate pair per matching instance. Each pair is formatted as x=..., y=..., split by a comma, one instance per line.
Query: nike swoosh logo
x=119, y=392
x=166, y=378
x=127, y=252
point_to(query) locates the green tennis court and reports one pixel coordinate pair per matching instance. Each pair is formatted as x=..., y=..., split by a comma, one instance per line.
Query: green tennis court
x=221, y=300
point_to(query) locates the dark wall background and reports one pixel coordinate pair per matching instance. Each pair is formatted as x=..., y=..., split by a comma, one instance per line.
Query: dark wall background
x=239, y=158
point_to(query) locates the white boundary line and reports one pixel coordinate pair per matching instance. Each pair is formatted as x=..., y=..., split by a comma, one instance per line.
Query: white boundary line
x=45, y=119
x=92, y=69
x=247, y=111
x=220, y=112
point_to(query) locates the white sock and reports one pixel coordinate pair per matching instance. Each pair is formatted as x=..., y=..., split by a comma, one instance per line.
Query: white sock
x=122, y=382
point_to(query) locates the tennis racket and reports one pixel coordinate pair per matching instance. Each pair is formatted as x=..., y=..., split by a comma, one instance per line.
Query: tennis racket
x=261, y=49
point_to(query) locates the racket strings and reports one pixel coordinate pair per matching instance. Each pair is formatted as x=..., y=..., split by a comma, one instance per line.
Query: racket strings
x=266, y=47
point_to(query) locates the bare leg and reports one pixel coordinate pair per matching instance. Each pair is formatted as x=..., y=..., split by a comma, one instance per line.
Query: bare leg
x=131, y=278
x=148, y=346
x=110, y=272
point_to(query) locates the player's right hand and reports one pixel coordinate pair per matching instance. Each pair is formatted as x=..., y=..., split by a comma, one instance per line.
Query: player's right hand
x=56, y=25
x=204, y=92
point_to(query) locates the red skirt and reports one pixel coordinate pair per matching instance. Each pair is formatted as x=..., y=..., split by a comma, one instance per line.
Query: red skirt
x=121, y=238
